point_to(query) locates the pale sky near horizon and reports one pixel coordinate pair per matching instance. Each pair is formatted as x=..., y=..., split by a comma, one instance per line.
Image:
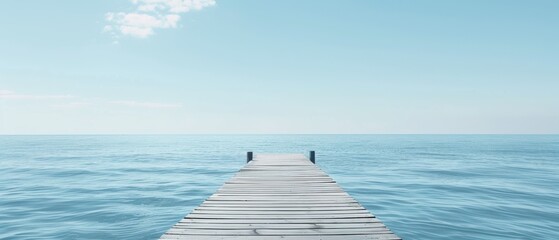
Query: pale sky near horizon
x=203, y=66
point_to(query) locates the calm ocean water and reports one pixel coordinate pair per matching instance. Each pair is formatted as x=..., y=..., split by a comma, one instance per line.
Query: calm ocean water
x=421, y=186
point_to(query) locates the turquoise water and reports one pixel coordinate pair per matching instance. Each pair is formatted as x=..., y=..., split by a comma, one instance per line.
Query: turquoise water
x=421, y=186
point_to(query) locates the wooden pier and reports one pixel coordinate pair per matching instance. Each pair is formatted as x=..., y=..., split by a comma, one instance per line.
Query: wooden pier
x=280, y=196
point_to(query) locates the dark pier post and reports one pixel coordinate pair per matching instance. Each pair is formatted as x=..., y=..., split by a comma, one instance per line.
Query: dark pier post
x=311, y=156
x=249, y=156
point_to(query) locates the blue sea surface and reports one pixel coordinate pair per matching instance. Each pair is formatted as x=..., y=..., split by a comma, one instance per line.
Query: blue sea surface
x=421, y=186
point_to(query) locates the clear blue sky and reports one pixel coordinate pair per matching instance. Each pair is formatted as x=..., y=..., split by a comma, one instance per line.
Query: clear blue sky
x=164, y=66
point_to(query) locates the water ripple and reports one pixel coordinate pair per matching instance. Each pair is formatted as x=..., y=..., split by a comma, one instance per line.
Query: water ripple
x=421, y=186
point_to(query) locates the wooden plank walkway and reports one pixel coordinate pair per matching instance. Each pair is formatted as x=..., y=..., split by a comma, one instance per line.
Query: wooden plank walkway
x=280, y=196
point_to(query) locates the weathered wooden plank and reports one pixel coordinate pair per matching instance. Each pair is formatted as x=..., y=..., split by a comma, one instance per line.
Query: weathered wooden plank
x=265, y=191
x=281, y=221
x=278, y=226
x=276, y=232
x=281, y=206
x=244, y=208
x=277, y=204
x=284, y=207
x=278, y=182
x=282, y=177
x=308, y=237
x=280, y=192
x=279, y=213
x=279, y=200
x=273, y=195
x=279, y=216
x=266, y=188
x=283, y=196
x=331, y=237
x=285, y=189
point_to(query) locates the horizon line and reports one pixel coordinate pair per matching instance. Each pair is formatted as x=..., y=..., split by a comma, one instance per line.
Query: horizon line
x=176, y=134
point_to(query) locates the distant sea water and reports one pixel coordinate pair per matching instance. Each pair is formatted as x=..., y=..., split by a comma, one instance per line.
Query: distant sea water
x=138, y=186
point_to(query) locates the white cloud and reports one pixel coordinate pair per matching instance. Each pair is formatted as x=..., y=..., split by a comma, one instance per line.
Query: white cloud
x=72, y=105
x=5, y=94
x=175, y=6
x=129, y=103
x=69, y=101
x=150, y=15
